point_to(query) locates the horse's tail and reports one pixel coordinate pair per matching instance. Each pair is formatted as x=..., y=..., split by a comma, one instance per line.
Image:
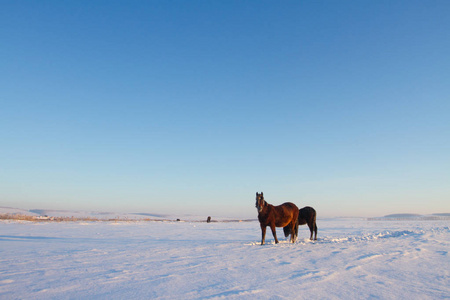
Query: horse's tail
x=315, y=225
x=296, y=227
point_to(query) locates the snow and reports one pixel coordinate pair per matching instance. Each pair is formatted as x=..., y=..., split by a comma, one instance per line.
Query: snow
x=353, y=258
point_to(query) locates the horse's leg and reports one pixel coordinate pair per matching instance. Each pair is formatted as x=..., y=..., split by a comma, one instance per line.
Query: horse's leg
x=263, y=232
x=315, y=230
x=311, y=229
x=296, y=228
x=293, y=236
x=274, y=232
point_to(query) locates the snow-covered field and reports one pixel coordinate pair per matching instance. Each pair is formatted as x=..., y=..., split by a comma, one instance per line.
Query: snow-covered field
x=353, y=259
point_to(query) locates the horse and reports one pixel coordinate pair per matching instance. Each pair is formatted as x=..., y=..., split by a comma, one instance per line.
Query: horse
x=284, y=215
x=306, y=215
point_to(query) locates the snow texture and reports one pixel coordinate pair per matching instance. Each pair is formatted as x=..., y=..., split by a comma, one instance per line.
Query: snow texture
x=353, y=259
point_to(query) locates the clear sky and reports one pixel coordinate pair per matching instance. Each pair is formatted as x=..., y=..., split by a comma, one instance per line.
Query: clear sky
x=194, y=106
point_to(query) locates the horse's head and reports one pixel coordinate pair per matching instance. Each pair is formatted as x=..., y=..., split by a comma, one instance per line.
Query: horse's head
x=260, y=203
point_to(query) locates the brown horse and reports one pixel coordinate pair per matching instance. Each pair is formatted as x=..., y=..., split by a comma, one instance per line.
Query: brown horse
x=306, y=215
x=284, y=215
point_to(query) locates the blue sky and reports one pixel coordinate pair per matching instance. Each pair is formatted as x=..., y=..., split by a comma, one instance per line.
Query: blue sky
x=193, y=106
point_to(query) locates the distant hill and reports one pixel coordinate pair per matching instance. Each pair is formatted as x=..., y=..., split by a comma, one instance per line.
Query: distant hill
x=99, y=215
x=16, y=211
x=403, y=216
x=150, y=215
x=442, y=215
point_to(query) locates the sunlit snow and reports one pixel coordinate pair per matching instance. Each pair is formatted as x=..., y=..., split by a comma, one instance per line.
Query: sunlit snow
x=352, y=259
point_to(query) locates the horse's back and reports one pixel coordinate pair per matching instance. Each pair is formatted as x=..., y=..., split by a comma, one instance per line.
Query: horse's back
x=307, y=211
x=306, y=214
x=289, y=205
x=286, y=213
x=289, y=208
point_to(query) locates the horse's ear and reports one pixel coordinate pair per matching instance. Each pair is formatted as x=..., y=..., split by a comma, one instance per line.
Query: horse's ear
x=261, y=193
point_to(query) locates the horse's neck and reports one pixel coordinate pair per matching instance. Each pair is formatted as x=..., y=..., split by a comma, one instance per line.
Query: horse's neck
x=267, y=207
